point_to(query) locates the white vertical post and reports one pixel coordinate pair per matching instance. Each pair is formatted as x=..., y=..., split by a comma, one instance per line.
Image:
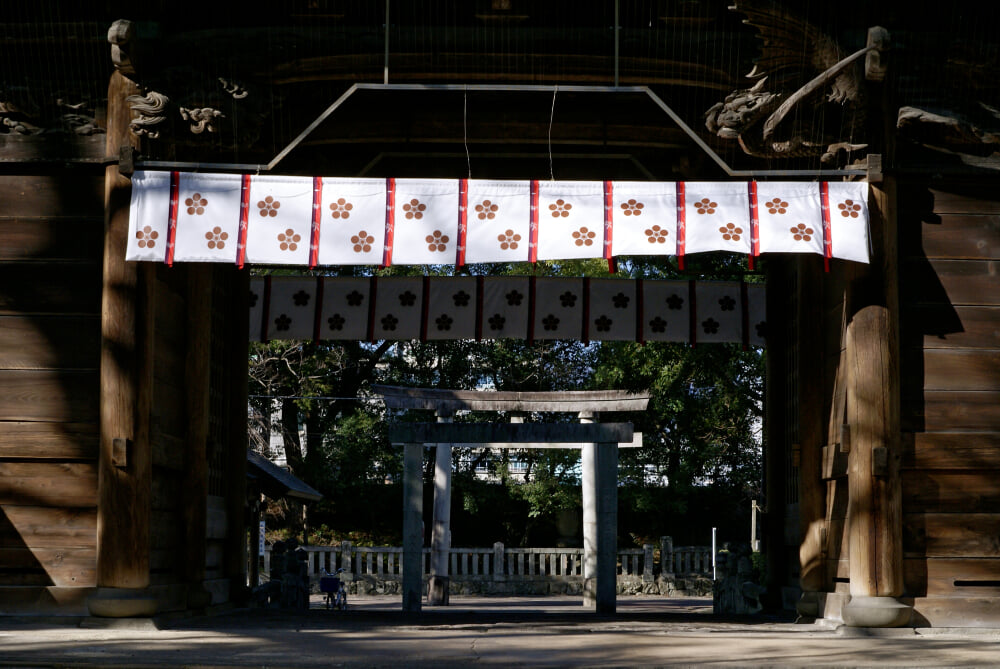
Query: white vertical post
x=713, y=555
x=437, y=587
x=754, y=542
x=588, y=484
x=413, y=535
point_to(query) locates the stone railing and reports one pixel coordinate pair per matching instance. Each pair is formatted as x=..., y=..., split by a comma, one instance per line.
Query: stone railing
x=663, y=569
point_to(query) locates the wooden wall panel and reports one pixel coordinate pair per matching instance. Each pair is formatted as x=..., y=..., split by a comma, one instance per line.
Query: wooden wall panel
x=977, y=327
x=957, y=369
x=976, y=451
x=945, y=411
x=956, y=282
x=45, y=288
x=50, y=342
x=954, y=535
x=48, y=566
x=48, y=484
x=47, y=527
x=971, y=201
x=67, y=195
x=67, y=441
x=965, y=492
x=52, y=239
x=60, y=396
x=937, y=577
x=957, y=236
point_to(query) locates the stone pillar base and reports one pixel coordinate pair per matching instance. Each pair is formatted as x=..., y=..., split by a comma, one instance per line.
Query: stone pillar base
x=864, y=611
x=122, y=603
x=808, y=604
x=590, y=593
x=437, y=590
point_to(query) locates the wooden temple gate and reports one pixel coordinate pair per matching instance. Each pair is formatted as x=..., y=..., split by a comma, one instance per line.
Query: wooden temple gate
x=120, y=385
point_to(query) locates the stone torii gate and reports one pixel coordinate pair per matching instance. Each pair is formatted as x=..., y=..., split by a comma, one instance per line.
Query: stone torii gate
x=598, y=442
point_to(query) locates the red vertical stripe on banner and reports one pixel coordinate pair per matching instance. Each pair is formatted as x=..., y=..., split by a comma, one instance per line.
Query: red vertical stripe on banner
x=585, y=331
x=681, y=225
x=531, y=309
x=390, y=220
x=693, y=314
x=463, y=220
x=372, y=291
x=754, y=223
x=824, y=197
x=265, y=318
x=241, y=242
x=640, y=316
x=318, y=313
x=533, y=226
x=609, y=216
x=425, y=306
x=175, y=179
x=745, y=320
x=314, y=237
x=479, y=307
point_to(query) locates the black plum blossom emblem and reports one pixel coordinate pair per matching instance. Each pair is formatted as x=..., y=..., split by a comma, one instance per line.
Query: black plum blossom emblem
x=761, y=329
x=675, y=302
x=301, y=298
x=444, y=322
x=514, y=298
x=282, y=323
x=354, y=298
x=496, y=322
x=568, y=299
x=389, y=322
x=253, y=299
x=727, y=303
x=603, y=324
x=461, y=298
x=620, y=301
x=658, y=325
x=407, y=299
x=550, y=322
x=710, y=326
x=336, y=322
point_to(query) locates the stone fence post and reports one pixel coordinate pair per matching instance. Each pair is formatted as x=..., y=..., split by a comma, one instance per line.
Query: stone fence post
x=647, y=563
x=499, y=570
x=345, y=557
x=667, y=556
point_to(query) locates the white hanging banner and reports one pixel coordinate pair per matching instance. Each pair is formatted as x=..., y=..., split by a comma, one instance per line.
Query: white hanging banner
x=790, y=217
x=717, y=217
x=149, y=217
x=849, y=221
x=265, y=219
x=498, y=220
x=559, y=308
x=426, y=222
x=570, y=220
x=448, y=308
x=644, y=218
x=208, y=218
x=279, y=224
x=352, y=222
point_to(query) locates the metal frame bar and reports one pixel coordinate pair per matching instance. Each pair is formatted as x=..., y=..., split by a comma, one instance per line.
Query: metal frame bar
x=526, y=88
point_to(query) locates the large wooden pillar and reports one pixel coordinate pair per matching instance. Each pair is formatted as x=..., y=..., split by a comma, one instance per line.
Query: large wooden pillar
x=125, y=459
x=237, y=511
x=812, y=490
x=437, y=586
x=874, y=515
x=413, y=534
